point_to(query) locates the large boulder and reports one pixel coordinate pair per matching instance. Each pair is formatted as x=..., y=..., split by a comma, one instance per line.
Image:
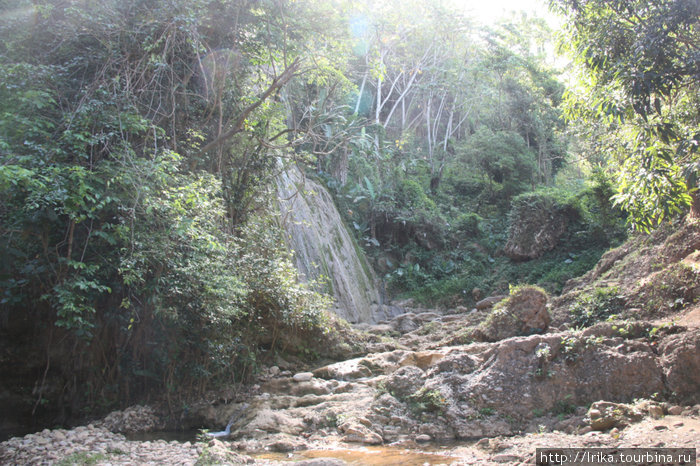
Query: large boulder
x=681, y=364
x=524, y=377
x=605, y=415
x=524, y=312
x=537, y=222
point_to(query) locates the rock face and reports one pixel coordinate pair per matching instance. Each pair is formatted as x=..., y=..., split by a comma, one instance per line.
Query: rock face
x=536, y=224
x=524, y=312
x=323, y=248
x=681, y=364
x=405, y=381
x=522, y=376
x=486, y=389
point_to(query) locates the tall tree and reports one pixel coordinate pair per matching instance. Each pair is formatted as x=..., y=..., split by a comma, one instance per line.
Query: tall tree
x=643, y=80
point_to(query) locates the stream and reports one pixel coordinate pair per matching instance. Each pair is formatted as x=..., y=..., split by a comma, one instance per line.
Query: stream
x=366, y=456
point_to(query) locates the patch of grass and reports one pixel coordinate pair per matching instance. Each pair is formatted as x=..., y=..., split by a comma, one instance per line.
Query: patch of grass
x=542, y=373
x=116, y=451
x=381, y=389
x=670, y=290
x=331, y=419
x=206, y=458
x=425, y=400
x=82, y=458
x=430, y=327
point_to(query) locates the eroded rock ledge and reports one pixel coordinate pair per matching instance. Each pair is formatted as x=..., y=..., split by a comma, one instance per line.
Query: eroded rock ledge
x=470, y=391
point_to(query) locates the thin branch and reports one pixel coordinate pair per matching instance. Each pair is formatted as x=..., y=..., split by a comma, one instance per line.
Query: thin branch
x=237, y=126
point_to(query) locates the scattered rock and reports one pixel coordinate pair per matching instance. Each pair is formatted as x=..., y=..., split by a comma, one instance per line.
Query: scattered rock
x=91, y=443
x=321, y=462
x=483, y=444
x=303, y=377
x=605, y=415
x=422, y=359
x=285, y=445
x=504, y=458
x=358, y=433
x=405, y=323
x=380, y=329
x=675, y=410
x=489, y=302
x=656, y=412
x=345, y=370
x=133, y=419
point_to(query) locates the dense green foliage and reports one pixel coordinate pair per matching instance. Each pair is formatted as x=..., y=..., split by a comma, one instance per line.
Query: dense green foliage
x=139, y=261
x=457, y=121
x=638, y=101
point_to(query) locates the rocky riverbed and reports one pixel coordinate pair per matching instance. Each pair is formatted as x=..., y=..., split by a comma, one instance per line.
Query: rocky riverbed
x=97, y=445
x=459, y=386
x=90, y=444
x=478, y=403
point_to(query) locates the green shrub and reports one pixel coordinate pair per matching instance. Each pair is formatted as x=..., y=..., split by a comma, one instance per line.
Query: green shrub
x=596, y=306
x=411, y=196
x=468, y=224
x=426, y=400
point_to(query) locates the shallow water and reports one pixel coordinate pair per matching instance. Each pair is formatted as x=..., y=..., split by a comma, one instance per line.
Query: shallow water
x=368, y=456
x=380, y=455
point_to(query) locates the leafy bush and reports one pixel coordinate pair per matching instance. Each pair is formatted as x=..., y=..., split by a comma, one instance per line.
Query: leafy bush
x=468, y=224
x=426, y=400
x=598, y=305
x=410, y=196
x=603, y=219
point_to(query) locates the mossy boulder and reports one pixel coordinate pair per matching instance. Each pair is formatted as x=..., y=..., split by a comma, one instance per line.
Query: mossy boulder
x=536, y=223
x=524, y=312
